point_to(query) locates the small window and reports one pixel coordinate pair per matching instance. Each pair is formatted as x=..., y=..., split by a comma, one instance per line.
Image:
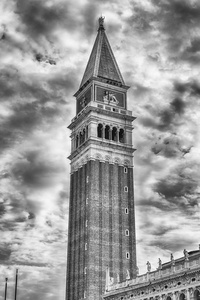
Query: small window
x=86, y=133
x=114, y=134
x=125, y=189
x=77, y=141
x=127, y=255
x=125, y=170
x=121, y=136
x=86, y=200
x=107, y=132
x=126, y=211
x=127, y=232
x=100, y=131
x=84, y=295
x=85, y=246
x=86, y=223
x=87, y=179
x=85, y=270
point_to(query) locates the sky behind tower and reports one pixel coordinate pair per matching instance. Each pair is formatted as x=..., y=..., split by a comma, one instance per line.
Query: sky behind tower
x=44, y=47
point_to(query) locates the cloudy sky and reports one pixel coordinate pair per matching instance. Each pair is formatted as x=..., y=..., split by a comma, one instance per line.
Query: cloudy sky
x=44, y=47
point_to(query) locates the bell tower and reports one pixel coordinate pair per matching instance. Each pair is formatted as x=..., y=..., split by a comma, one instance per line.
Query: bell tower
x=101, y=210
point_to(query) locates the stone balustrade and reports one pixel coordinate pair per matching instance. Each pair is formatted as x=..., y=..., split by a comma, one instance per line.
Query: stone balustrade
x=168, y=270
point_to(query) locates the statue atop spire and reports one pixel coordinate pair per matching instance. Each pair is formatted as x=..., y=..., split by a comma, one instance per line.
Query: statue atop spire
x=101, y=23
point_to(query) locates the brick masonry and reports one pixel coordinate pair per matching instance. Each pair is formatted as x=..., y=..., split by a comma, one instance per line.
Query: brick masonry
x=97, y=224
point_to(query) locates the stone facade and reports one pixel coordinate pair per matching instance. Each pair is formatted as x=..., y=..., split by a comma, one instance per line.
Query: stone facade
x=175, y=280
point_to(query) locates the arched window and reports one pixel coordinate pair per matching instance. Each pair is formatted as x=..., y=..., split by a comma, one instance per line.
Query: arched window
x=81, y=138
x=196, y=295
x=83, y=135
x=77, y=141
x=107, y=132
x=114, y=134
x=121, y=136
x=100, y=131
x=86, y=132
x=168, y=298
x=182, y=296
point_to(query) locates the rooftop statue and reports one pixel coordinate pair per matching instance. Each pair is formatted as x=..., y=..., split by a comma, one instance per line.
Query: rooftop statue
x=101, y=22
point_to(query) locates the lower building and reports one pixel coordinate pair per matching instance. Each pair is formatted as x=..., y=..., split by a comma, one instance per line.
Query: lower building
x=175, y=280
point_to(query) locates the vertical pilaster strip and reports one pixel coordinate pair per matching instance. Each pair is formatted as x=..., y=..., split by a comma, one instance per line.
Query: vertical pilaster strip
x=82, y=231
x=100, y=224
x=111, y=180
x=85, y=286
x=74, y=237
x=79, y=239
x=105, y=221
x=121, y=196
x=69, y=250
x=76, y=245
x=88, y=276
x=95, y=227
x=133, y=270
x=116, y=233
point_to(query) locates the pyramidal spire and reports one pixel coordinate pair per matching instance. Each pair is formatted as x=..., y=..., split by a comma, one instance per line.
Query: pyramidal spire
x=102, y=63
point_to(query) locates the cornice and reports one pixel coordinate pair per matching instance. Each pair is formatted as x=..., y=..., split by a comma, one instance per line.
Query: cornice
x=88, y=109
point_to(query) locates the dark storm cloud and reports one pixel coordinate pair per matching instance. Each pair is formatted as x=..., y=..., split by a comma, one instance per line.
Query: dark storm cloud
x=149, y=225
x=41, y=18
x=167, y=118
x=141, y=18
x=33, y=171
x=192, y=87
x=148, y=203
x=44, y=58
x=2, y=209
x=34, y=103
x=24, y=119
x=162, y=230
x=172, y=244
x=5, y=253
x=180, y=188
x=179, y=12
x=178, y=105
x=175, y=20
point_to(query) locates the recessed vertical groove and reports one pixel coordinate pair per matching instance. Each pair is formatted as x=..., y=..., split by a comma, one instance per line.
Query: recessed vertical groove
x=79, y=238
x=120, y=192
x=74, y=236
x=69, y=251
x=110, y=219
x=132, y=225
x=100, y=225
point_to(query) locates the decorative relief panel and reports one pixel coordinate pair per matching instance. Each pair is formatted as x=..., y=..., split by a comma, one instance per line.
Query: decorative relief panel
x=109, y=96
x=83, y=100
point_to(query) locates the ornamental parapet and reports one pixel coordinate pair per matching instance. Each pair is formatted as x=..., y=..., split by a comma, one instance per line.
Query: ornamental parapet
x=174, y=276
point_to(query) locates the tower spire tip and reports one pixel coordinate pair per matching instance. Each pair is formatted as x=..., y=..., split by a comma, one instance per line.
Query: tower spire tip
x=101, y=23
